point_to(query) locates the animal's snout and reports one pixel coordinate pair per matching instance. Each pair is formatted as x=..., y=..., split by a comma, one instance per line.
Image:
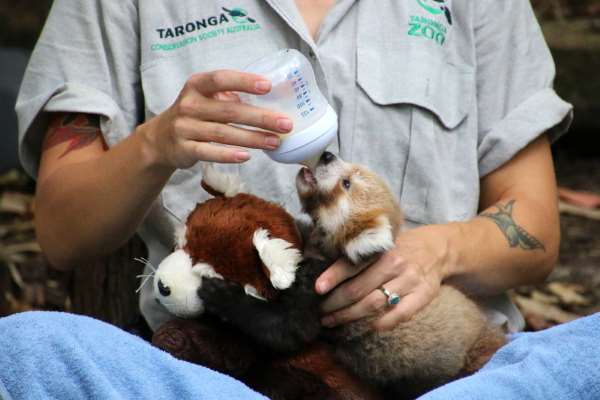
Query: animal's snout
x=163, y=289
x=326, y=158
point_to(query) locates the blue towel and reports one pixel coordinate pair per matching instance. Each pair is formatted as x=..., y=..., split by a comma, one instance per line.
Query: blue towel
x=561, y=363
x=48, y=355
x=62, y=356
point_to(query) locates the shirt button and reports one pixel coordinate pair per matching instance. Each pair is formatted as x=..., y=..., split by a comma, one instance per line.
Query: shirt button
x=312, y=54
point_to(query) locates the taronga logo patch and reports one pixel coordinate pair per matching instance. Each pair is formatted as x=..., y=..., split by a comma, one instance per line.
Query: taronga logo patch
x=230, y=21
x=436, y=28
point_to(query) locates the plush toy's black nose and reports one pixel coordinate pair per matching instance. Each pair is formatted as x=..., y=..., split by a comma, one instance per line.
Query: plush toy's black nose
x=162, y=289
x=327, y=157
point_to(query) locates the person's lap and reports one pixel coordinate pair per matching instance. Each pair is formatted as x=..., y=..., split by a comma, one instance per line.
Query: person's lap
x=558, y=363
x=62, y=356
x=56, y=355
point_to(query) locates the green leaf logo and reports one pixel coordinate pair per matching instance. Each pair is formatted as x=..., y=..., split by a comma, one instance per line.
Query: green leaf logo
x=437, y=7
x=239, y=15
x=426, y=4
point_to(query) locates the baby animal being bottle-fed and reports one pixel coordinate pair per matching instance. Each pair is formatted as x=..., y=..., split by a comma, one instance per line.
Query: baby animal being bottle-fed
x=295, y=93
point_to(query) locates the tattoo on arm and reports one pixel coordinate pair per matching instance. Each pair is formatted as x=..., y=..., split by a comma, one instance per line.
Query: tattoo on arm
x=79, y=130
x=515, y=234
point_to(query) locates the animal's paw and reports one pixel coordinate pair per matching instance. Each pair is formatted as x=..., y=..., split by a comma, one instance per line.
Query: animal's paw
x=219, y=294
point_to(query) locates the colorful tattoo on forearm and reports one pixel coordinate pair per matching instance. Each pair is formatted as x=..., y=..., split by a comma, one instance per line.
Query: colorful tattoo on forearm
x=516, y=235
x=79, y=130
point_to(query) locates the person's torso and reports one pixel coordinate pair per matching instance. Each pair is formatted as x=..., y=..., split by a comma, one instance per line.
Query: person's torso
x=399, y=74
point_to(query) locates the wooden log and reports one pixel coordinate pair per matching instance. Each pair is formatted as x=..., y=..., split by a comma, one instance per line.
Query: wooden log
x=106, y=289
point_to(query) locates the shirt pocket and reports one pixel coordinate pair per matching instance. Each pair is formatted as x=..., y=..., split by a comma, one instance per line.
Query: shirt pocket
x=426, y=101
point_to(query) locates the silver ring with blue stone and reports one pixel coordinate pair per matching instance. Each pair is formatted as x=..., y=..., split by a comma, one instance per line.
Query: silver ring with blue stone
x=392, y=298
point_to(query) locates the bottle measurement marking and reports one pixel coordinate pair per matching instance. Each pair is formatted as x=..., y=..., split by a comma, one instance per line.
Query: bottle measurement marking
x=303, y=97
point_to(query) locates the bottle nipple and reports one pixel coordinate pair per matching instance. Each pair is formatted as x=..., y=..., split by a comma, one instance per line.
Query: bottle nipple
x=311, y=163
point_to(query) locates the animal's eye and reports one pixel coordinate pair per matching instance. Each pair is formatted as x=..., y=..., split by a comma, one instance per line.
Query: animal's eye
x=163, y=289
x=346, y=183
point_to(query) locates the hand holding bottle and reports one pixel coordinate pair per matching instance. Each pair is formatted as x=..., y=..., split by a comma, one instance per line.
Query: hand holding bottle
x=198, y=125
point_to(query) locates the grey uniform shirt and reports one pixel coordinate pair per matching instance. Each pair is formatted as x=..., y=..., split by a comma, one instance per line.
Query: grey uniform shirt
x=433, y=96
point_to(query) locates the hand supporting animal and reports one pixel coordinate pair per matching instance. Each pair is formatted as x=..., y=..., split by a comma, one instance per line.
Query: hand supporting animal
x=356, y=216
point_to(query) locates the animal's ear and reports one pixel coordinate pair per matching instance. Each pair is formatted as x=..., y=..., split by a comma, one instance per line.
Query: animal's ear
x=279, y=256
x=371, y=242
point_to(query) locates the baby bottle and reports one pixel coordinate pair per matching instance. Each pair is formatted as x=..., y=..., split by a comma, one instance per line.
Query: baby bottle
x=295, y=93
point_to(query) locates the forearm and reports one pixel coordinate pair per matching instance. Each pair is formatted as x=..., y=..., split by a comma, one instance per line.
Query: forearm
x=504, y=248
x=97, y=198
x=90, y=208
x=514, y=241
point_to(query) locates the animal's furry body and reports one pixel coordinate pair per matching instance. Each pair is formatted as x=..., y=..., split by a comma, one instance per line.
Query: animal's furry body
x=356, y=217
x=431, y=349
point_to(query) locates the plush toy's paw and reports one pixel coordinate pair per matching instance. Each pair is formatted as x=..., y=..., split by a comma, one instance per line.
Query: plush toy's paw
x=219, y=294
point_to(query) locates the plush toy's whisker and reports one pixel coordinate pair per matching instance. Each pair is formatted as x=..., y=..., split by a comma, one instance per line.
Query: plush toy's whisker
x=145, y=261
x=146, y=278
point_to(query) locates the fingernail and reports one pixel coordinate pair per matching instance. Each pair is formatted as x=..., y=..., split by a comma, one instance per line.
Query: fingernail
x=272, y=142
x=284, y=124
x=263, y=86
x=242, y=156
x=322, y=287
x=327, y=321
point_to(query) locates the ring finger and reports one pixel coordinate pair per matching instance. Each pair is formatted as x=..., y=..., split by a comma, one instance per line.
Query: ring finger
x=370, y=305
x=402, y=312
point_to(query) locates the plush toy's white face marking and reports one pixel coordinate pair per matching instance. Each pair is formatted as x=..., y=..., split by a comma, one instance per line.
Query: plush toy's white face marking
x=279, y=256
x=176, y=282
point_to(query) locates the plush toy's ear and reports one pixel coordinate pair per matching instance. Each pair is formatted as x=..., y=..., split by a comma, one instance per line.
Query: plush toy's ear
x=371, y=242
x=220, y=184
x=279, y=256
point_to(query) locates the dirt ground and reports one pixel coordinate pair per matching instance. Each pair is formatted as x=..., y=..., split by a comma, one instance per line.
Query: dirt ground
x=579, y=259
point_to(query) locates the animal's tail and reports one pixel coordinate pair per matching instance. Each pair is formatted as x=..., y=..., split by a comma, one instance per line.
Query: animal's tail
x=220, y=184
x=489, y=341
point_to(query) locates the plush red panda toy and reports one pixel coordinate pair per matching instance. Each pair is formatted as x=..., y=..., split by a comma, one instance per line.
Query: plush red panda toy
x=235, y=236
x=242, y=238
